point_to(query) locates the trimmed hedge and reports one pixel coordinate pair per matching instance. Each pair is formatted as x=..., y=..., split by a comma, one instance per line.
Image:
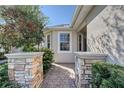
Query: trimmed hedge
x=4, y=79
x=105, y=75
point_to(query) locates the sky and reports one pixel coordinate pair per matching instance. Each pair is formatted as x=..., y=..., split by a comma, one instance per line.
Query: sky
x=61, y=14
x=58, y=14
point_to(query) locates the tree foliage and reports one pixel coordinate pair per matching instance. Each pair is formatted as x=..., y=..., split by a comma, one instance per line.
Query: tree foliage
x=24, y=25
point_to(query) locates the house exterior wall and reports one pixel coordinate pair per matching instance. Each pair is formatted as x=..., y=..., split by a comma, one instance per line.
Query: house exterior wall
x=105, y=33
x=59, y=57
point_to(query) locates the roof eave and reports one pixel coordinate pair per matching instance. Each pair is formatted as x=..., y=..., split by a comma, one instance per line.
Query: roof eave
x=75, y=15
x=46, y=30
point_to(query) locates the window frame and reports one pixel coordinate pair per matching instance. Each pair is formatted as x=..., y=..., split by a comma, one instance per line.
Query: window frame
x=70, y=42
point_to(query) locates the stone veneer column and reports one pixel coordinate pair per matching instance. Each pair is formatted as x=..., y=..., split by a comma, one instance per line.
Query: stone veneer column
x=86, y=73
x=26, y=68
x=83, y=66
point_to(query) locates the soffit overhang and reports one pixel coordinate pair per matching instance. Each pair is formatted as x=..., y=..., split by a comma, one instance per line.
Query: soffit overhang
x=80, y=15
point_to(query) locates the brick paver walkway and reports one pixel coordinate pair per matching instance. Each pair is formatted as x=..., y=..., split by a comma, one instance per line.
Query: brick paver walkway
x=60, y=76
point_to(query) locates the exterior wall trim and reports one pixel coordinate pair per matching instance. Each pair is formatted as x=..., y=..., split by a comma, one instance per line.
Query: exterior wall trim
x=47, y=30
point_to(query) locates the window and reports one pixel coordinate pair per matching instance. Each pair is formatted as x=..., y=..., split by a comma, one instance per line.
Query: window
x=64, y=41
x=48, y=41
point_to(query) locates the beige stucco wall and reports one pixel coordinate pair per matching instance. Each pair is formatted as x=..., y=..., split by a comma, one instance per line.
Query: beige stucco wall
x=106, y=33
x=63, y=57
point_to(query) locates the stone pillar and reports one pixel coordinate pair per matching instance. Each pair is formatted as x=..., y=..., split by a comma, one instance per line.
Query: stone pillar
x=83, y=66
x=86, y=73
x=26, y=68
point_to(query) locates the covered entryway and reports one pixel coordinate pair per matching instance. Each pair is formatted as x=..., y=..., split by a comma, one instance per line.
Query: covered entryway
x=82, y=40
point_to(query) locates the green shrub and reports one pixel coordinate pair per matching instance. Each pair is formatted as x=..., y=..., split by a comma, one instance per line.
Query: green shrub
x=29, y=48
x=4, y=79
x=47, y=56
x=47, y=59
x=107, y=75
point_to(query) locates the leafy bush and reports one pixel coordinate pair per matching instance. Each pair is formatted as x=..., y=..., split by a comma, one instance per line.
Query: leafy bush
x=47, y=56
x=107, y=75
x=4, y=79
x=29, y=48
x=47, y=59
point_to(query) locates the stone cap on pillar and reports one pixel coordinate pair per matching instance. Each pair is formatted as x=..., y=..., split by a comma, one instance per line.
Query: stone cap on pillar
x=24, y=55
x=91, y=55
